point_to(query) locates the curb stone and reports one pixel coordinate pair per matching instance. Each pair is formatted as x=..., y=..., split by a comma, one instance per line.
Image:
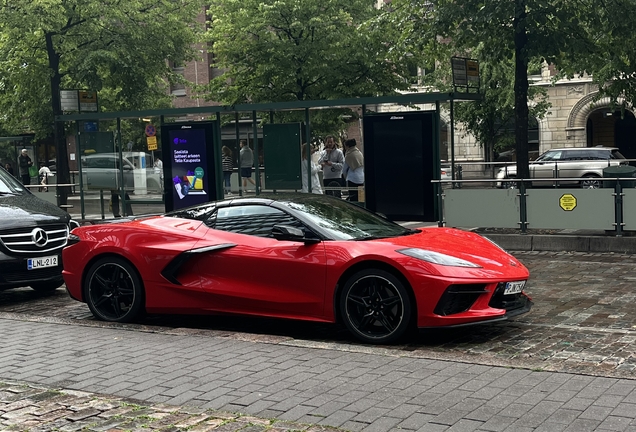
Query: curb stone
x=26, y=407
x=569, y=243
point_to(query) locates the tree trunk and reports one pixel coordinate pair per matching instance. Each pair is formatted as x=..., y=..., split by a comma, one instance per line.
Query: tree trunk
x=521, y=89
x=59, y=136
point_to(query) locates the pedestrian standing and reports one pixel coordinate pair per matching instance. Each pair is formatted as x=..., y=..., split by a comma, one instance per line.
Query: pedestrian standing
x=9, y=168
x=247, y=162
x=227, y=169
x=353, y=169
x=332, y=161
x=25, y=163
x=315, y=169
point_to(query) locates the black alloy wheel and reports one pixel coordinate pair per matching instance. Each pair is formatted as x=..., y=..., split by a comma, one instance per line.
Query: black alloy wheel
x=113, y=290
x=375, y=306
x=46, y=287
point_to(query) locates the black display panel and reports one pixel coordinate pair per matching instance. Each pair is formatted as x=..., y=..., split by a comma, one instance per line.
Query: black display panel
x=189, y=164
x=400, y=161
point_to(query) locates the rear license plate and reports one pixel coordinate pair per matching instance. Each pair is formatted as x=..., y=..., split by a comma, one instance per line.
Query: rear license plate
x=42, y=262
x=514, y=287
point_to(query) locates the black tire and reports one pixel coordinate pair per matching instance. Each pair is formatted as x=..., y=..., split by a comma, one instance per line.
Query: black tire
x=591, y=182
x=113, y=290
x=375, y=306
x=509, y=184
x=45, y=287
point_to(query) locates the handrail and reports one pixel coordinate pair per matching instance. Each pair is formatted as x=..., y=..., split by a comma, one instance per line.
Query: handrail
x=29, y=186
x=534, y=179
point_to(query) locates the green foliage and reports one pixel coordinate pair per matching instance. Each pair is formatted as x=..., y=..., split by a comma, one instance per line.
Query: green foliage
x=118, y=48
x=505, y=36
x=611, y=59
x=490, y=119
x=287, y=50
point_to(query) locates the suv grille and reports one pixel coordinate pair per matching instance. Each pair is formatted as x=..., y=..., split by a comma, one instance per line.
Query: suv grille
x=36, y=240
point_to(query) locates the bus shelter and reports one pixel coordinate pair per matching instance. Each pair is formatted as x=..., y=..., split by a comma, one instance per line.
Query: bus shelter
x=400, y=139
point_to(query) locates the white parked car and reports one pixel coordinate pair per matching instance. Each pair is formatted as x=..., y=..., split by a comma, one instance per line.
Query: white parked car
x=584, y=165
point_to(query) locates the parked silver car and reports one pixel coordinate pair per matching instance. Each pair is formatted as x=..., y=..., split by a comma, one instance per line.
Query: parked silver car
x=101, y=171
x=584, y=165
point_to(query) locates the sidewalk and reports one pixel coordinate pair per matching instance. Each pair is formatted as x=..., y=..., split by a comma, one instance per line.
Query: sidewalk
x=351, y=389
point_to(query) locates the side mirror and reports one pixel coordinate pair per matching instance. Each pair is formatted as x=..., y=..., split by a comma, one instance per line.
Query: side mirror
x=290, y=233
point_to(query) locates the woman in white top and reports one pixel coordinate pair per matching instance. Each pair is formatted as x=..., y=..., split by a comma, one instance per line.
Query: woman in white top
x=315, y=169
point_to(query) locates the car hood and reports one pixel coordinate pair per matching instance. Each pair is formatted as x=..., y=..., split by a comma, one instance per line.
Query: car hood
x=465, y=245
x=27, y=209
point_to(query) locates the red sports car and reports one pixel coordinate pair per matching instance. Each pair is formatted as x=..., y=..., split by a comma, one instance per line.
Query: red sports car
x=298, y=256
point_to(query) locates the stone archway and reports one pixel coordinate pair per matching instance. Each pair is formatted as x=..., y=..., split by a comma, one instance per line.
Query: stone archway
x=592, y=122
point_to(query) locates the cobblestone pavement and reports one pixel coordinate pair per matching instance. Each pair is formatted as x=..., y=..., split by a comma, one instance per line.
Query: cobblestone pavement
x=34, y=408
x=583, y=321
x=62, y=370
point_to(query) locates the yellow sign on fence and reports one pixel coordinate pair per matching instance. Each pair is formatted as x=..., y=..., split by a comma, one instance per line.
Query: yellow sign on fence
x=567, y=202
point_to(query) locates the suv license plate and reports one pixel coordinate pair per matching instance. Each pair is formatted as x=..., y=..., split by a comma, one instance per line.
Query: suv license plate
x=42, y=262
x=514, y=287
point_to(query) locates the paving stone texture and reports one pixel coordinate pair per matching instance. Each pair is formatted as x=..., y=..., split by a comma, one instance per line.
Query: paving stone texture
x=567, y=365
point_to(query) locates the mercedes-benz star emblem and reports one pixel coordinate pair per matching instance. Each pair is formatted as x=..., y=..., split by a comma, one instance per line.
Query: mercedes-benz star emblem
x=39, y=236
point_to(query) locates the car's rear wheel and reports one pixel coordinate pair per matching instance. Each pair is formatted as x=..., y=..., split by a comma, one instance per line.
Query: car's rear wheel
x=375, y=306
x=591, y=182
x=45, y=287
x=113, y=290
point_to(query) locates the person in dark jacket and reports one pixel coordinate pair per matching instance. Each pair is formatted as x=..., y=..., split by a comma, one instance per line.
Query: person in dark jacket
x=9, y=168
x=25, y=163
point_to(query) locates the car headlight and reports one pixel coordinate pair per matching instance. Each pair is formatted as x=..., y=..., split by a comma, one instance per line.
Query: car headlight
x=437, y=258
x=73, y=224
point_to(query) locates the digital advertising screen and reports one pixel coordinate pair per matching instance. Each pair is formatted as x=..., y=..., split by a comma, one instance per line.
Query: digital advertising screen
x=189, y=182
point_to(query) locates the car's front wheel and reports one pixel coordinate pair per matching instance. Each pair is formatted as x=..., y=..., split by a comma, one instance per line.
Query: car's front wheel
x=45, y=287
x=509, y=184
x=375, y=306
x=113, y=290
x=591, y=182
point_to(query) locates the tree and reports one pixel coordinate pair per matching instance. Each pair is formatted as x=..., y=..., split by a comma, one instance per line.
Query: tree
x=517, y=31
x=489, y=119
x=120, y=48
x=611, y=60
x=288, y=50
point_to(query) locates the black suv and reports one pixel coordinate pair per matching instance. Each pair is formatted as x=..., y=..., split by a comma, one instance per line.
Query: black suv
x=32, y=235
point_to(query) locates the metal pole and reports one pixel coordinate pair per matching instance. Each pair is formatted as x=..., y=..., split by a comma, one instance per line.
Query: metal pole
x=237, y=159
x=452, y=139
x=78, y=151
x=436, y=154
x=308, y=141
x=256, y=159
x=618, y=205
x=122, y=190
x=523, y=208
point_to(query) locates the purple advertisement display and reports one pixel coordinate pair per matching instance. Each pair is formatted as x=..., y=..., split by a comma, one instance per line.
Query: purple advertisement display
x=189, y=162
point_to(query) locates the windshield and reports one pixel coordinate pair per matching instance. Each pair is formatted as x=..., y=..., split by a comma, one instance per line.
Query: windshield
x=550, y=155
x=9, y=184
x=344, y=221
